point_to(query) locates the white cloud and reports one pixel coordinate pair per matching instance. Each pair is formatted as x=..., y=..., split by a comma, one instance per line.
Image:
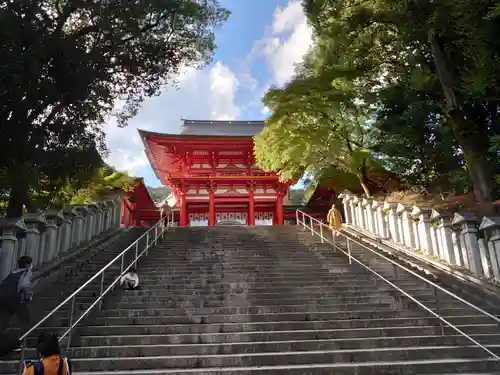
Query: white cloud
x=287, y=41
x=286, y=18
x=202, y=94
x=210, y=93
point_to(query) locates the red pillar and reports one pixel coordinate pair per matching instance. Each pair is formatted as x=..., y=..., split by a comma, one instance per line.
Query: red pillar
x=184, y=213
x=251, y=209
x=211, y=209
x=279, y=209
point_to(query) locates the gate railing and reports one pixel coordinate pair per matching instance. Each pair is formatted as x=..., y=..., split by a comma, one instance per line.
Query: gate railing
x=320, y=229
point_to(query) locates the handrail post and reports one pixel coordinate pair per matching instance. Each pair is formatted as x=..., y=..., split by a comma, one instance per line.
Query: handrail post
x=136, y=253
x=297, y=217
x=349, y=250
x=156, y=236
x=122, y=266
x=147, y=244
x=333, y=241
x=312, y=226
x=23, y=349
x=321, y=232
x=438, y=311
x=102, y=290
x=303, y=220
x=70, y=326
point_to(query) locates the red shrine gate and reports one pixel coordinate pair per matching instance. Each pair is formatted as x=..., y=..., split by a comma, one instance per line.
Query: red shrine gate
x=211, y=169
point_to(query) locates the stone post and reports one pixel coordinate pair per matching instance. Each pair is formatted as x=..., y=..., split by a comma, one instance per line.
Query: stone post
x=346, y=201
x=107, y=216
x=360, y=218
x=34, y=222
x=82, y=221
x=442, y=228
x=117, y=212
x=90, y=221
x=69, y=240
x=378, y=208
x=491, y=228
x=53, y=218
x=352, y=209
x=66, y=234
x=407, y=225
x=468, y=225
x=370, y=220
x=415, y=221
x=423, y=228
x=9, y=228
x=393, y=219
x=99, y=214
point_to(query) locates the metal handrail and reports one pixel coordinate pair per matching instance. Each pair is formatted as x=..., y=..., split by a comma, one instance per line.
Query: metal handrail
x=159, y=229
x=436, y=287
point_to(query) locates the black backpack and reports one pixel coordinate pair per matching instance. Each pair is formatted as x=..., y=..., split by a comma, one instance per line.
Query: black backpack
x=8, y=288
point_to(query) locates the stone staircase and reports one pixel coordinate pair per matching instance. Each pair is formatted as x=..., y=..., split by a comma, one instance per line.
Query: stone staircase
x=269, y=300
x=69, y=278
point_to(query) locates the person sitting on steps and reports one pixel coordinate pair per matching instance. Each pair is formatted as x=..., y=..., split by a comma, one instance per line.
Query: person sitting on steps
x=130, y=281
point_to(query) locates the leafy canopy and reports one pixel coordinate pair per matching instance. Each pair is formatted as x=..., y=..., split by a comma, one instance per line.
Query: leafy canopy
x=65, y=63
x=416, y=81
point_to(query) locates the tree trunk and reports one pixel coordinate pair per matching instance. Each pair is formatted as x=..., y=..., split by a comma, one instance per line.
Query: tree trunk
x=364, y=185
x=474, y=160
x=466, y=133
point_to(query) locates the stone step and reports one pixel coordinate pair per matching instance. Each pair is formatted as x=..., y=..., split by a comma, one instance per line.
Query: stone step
x=345, y=298
x=479, y=332
x=341, y=299
x=226, y=327
x=165, y=294
x=321, y=316
x=268, y=301
x=235, y=289
x=198, y=349
x=379, y=312
x=156, y=311
x=220, y=333
x=224, y=283
x=444, y=366
x=348, y=356
x=230, y=303
x=224, y=300
x=269, y=283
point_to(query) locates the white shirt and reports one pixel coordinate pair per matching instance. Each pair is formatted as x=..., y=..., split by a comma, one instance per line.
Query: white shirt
x=130, y=277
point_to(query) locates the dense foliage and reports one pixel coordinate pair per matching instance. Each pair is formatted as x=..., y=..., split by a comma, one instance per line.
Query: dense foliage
x=88, y=187
x=65, y=64
x=409, y=87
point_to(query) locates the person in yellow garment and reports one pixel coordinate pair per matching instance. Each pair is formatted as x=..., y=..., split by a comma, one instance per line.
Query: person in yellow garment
x=334, y=219
x=51, y=362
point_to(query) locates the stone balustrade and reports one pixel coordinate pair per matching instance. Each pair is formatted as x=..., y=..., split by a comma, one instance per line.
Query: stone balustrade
x=457, y=239
x=44, y=236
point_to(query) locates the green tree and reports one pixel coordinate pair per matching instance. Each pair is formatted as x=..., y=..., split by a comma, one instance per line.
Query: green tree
x=159, y=193
x=315, y=124
x=65, y=63
x=410, y=135
x=446, y=50
x=104, y=182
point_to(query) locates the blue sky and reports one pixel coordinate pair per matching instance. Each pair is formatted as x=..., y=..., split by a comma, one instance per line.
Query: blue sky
x=257, y=47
